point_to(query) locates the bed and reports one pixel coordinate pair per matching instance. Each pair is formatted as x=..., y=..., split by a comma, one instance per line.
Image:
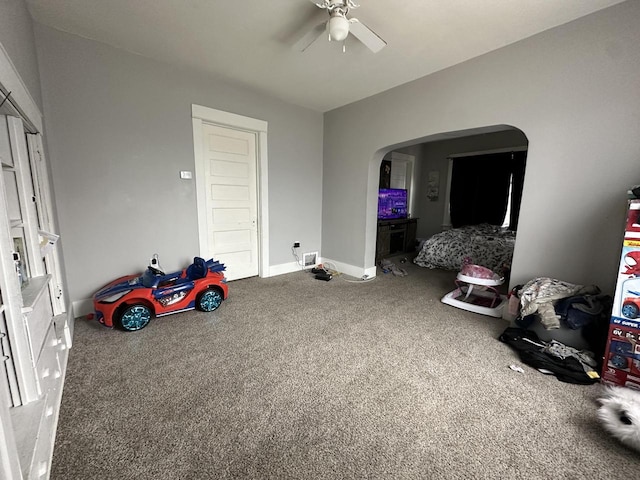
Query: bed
x=486, y=245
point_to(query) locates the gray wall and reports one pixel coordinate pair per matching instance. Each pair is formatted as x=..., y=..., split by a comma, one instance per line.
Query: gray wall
x=16, y=36
x=573, y=92
x=119, y=131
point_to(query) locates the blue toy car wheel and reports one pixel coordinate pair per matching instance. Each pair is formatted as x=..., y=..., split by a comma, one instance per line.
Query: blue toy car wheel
x=209, y=300
x=135, y=317
x=619, y=361
x=630, y=310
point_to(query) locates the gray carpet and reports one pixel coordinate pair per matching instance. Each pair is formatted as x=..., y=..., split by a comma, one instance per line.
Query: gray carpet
x=298, y=378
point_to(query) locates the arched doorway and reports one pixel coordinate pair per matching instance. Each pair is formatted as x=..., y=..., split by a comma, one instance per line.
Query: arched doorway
x=430, y=186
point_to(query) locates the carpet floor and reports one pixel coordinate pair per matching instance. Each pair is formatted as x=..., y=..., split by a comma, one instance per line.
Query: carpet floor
x=294, y=377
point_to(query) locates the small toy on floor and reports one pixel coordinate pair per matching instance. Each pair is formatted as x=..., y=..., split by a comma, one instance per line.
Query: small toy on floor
x=323, y=273
x=388, y=266
x=619, y=413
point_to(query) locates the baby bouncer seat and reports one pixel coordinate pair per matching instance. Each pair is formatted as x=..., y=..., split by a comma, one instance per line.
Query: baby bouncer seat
x=476, y=291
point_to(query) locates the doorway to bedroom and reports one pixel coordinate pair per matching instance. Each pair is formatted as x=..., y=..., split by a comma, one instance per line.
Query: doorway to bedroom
x=480, y=174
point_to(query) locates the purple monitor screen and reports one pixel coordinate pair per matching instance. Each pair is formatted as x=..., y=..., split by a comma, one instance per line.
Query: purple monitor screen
x=392, y=203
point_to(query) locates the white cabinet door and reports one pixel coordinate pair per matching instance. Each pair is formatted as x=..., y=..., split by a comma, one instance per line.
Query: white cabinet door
x=19, y=233
x=9, y=463
x=46, y=226
x=7, y=369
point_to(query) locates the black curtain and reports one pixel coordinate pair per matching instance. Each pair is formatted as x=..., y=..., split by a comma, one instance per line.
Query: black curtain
x=517, y=181
x=480, y=188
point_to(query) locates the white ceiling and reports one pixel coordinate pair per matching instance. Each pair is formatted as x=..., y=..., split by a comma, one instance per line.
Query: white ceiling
x=249, y=41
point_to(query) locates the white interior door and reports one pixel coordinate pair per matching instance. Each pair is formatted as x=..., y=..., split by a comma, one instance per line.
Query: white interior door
x=398, y=174
x=231, y=204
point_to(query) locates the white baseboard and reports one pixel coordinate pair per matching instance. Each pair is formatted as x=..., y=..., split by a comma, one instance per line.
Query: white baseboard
x=351, y=270
x=85, y=307
x=290, y=267
x=357, y=272
x=371, y=272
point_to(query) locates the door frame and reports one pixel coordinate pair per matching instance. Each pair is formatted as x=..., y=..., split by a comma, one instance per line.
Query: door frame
x=205, y=115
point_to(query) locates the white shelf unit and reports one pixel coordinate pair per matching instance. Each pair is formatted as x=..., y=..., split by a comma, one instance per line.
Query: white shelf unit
x=35, y=326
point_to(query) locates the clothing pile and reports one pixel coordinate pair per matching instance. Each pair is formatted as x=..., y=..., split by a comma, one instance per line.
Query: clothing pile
x=566, y=363
x=556, y=303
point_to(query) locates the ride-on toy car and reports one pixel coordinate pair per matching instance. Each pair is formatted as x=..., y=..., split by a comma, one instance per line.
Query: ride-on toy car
x=130, y=302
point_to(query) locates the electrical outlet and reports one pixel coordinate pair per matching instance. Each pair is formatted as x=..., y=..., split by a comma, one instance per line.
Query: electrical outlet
x=296, y=244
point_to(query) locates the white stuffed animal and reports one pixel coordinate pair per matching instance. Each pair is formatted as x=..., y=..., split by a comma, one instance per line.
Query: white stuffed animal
x=619, y=413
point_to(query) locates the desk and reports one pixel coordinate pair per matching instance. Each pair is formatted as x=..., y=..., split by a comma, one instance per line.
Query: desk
x=395, y=236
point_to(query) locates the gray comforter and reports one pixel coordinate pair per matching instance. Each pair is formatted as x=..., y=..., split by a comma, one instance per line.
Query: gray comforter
x=484, y=244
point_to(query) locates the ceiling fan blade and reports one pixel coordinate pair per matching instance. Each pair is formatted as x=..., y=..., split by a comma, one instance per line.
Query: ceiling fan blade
x=366, y=35
x=310, y=37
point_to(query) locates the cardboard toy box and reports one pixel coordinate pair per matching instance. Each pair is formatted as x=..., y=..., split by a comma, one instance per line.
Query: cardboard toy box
x=621, y=365
x=622, y=356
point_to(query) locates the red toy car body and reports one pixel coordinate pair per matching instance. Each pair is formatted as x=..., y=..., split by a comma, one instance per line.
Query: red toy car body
x=130, y=302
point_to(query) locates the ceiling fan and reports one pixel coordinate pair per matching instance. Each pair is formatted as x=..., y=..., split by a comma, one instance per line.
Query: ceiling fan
x=338, y=27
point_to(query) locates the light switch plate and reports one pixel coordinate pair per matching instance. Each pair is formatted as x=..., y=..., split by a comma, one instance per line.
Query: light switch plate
x=186, y=175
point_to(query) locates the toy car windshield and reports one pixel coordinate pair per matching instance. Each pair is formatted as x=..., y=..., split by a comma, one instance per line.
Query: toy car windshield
x=149, y=278
x=153, y=273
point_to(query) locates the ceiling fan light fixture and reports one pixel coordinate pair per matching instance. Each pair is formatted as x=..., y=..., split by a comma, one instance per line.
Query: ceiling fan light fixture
x=338, y=27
